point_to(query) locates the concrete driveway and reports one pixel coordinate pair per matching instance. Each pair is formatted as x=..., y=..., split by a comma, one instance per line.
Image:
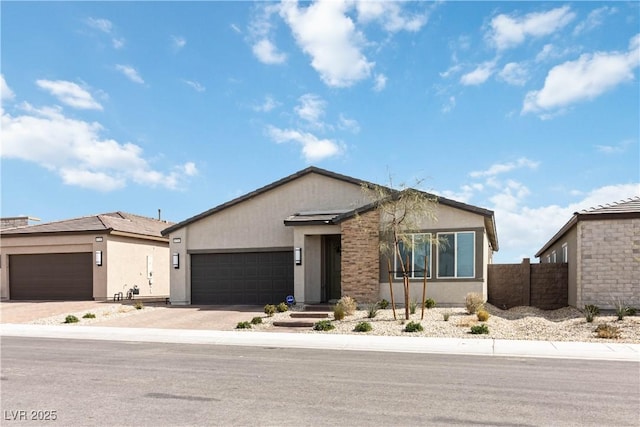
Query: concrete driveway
x=219, y=318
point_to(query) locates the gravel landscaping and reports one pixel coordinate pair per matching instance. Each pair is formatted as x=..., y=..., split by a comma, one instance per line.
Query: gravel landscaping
x=109, y=311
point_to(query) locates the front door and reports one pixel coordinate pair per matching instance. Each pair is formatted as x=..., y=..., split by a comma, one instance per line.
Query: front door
x=331, y=248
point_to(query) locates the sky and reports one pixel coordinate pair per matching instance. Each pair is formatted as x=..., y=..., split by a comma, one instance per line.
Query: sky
x=530, y=109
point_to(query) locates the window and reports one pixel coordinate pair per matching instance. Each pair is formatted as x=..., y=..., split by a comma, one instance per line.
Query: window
x=565, y=253
x=421, y=244
x=554, y=258
x=548, y=258
x=456, y=254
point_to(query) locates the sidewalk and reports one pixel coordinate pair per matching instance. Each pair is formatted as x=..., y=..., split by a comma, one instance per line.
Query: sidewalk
x=480, y=347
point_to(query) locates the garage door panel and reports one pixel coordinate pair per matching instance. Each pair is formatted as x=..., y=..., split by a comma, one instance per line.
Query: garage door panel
x=254, y=278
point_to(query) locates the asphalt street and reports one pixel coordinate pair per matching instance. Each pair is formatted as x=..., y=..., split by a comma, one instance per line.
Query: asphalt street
x=113, y=383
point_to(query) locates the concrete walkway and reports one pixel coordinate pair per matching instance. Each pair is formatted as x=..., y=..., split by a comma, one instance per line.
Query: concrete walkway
x=482, y=347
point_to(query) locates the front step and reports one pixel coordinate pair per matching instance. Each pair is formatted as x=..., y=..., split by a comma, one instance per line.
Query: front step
x=294, y=323
x=309, y=315
x=318, y=307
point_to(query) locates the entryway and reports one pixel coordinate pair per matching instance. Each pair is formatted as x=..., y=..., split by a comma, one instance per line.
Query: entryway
x=331, y=270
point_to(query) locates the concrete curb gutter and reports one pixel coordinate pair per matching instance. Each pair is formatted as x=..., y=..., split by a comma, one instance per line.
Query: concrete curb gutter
x=408, y=344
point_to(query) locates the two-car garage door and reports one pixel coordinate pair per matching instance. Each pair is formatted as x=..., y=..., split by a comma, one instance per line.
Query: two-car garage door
x=51, y=276
x=253, y=278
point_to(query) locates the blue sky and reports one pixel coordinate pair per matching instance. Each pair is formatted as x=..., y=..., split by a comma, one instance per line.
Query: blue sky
x=527, y=108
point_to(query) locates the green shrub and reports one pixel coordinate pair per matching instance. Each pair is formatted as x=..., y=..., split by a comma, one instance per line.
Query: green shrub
x=480, y=329
x=138, y=305
x=383, y=304
x=607, y=331
x=338, y=312
x=446, y=315
x=372, y=310
x=483, y=315
x=243, y=325
x=621, y=308
x=256, y=320
x=282, y=307
x=412, y=307
x=413, y=327
x=363, y=327
x=473, y=302
x=429, y=303
x=349, y=304
x=631, y=311
x=71, y=319
x=323, y=325
x=89, y=316
x=590, y=312
x=270, y=310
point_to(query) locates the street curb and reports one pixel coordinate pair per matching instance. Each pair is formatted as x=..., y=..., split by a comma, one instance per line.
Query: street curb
x=426, y=345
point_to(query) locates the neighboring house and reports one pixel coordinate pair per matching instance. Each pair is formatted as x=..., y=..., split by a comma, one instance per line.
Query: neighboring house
x=315, y=235
x=602, y=247
x=93, y=257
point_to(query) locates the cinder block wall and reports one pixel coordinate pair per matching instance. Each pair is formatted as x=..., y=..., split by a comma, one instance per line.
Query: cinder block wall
x=360, y=257
x=549, y=285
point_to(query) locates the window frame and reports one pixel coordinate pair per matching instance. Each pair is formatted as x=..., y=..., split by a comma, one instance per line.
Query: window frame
x=554, y=256
x=565, y=252
x=455, y=258
x=398, y=275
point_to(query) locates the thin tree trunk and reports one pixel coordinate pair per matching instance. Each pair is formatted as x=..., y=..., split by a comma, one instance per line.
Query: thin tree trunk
x=424, y=287
x=393, y=303
x=406, y=290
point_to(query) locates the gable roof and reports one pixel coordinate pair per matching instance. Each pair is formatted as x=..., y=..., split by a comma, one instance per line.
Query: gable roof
x=628, y=208
x=103, y=223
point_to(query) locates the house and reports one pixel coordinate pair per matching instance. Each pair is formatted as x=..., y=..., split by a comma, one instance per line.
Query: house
x=602, y=248
x=315, y=235
x=92, y=257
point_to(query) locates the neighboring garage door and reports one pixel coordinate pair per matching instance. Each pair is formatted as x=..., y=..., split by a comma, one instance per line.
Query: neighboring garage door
x=254, y=278
x=51, y=276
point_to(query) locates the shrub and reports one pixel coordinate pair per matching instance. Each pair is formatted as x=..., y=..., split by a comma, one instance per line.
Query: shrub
x=446, y=315
x=338, y=312
x=363, y=327
x=621, y=308
x=412, y=306
x=71, y=319
x=413, y=327
x=607, y=331
x=631, y=311
x=480, y=329
x=591, y=311
x=323, y=325
x=473, y=302
x=282, y=307
x=256, y=320
x=383, y=304
x=89, y=316
x=243, y=325
x=429, y=303
x=349, y=304
x=483, y=315
x=138, y=305
x=270, y=310
x=372, y=310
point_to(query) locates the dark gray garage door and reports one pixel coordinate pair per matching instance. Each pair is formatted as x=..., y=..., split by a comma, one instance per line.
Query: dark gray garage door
x=241, y=278
x=51, y=276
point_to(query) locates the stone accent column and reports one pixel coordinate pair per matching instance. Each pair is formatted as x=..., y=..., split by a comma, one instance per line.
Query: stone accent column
x=360, y=263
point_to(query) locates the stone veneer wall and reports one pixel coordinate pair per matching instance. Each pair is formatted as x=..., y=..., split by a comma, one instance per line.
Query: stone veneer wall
x=609, y=262
x=361, y=257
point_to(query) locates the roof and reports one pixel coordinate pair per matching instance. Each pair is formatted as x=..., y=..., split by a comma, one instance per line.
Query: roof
x=628, y=208
x=103, y=223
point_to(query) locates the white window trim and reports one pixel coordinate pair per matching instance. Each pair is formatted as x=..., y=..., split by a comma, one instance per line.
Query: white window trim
x=413, y=261
x=554, y=257
x=549, y=258
x=455, y=258
x=565, y=252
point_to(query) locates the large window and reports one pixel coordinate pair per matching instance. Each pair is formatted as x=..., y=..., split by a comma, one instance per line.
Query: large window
x=418, y=248
x=565, y=253
x=456, y=254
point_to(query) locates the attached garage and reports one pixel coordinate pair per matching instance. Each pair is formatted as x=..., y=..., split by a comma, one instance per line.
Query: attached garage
x=66, y=276
x=251, y=278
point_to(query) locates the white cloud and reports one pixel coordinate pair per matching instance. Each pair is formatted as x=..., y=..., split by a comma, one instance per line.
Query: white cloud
x=589, y=76
x=268, y=53
x=479, y=75
x=130, y=72
x=105, y=26
x=268, y=105
x=509, y=31
x=594, y=19
x=6, y=94
x=348, y=124
x=621, y=147
x=70, y=93
x=515, y=74
x=449, y=105
x=195, y=85
x=313, y=148
x=454, y=69
x=76, y=151
x=311, y=108
x=500, y=168
x=235, y=28
x=390, y=15
x=330, y=38
x=178, y=42
x=380, y=82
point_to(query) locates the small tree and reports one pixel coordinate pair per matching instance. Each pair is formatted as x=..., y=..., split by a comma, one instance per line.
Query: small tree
x=401, y=210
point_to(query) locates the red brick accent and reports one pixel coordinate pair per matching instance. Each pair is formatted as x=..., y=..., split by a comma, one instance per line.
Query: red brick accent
x=361, y=257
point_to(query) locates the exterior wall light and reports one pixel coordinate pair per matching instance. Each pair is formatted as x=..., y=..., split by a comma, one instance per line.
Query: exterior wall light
x=98, y=258
x=175, y=260
x=298, y=256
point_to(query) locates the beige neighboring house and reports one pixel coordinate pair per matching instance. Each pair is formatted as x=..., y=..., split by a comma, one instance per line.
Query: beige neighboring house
x=88, y=258
x=315, y=236
x=602, y=248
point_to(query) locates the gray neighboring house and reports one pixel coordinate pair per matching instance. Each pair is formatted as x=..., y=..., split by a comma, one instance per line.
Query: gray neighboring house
x=87, y=258
x=602, y=248
x=314, y=235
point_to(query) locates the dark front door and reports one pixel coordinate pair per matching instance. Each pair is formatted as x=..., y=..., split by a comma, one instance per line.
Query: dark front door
x=331, y=269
